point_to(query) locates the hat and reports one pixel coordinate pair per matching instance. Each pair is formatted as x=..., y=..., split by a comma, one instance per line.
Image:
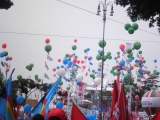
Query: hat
x=58, y=113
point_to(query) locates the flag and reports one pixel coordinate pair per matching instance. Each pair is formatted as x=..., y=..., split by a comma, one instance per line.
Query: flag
x=115, y=98
x=49, y=58
x=46, y=76
x=2, y=64
x=6, y=109
x=46, y=66
x=76, y=114
x=157, y=116
x=128, y=46
x=42, y=106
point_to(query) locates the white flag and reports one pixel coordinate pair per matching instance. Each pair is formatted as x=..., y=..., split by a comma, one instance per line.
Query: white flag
x=46, y=76
x=49, y=58
x=128, y=46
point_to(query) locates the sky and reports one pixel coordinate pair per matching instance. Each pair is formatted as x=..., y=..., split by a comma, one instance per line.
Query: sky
x=26, y=25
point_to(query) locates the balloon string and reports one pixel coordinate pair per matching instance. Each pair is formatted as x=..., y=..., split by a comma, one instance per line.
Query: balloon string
x=48, y=53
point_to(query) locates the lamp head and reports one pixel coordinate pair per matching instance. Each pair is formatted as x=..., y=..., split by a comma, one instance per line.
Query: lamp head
x=98, y=10
x=112, y=9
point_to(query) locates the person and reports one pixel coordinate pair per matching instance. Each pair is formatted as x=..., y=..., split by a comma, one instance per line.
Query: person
x=57, y=114
x=38, y=117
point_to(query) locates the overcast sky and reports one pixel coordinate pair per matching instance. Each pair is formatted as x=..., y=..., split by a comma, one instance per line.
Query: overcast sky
x=62, y=23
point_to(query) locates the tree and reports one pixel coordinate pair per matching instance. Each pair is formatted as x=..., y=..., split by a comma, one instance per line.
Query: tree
x=5, y=4
x=146, y=10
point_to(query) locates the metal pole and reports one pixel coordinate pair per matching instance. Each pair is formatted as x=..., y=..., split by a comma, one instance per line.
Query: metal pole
x=104, y=20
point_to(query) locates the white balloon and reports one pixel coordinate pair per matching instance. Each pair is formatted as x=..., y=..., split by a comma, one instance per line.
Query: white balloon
x=74, y=68
x=73, y=95
x=97, y=81
x=70, y=69
x=61, y=72
x=79, y=77
x=96, y=75
x=100, y=62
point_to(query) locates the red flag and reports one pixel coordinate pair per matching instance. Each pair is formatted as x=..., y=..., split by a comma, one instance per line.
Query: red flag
x=76, y=113
x=157, y=116
x=115, y=97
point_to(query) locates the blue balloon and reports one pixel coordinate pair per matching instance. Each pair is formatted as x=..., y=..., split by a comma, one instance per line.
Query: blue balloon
x=88, y=49
x=1, y=54
x=115, y=58
x=69, y=63
x=99, y=51
x=57, y=67
x=89, y=58
x=78, y=83
x=27, y=108
x=65, y=61
x=19, y=99
x=73, y=54
x=47, y=85
x=136, y=60
x=155, y=61
x=130, y=59
x=62, y=66
x=122, y=63
x=7, y=58
x=118, y=68
x=59, y=104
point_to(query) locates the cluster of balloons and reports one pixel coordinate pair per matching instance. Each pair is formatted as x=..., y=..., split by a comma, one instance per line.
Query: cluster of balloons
x=19, y=77
x=106, y=56
x=37, y=79
x=29, y=67
x=131, y=28
x=48, y=47
x=86, y=50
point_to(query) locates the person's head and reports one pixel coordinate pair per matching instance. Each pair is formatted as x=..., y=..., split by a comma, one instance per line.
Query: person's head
x=57, y=114
x=38, y=117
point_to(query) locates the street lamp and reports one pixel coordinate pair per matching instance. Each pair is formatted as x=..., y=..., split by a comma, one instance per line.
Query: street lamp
x=104, y=21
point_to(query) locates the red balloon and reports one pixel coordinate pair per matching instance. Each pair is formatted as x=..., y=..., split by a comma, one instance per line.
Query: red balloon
x=131, y=67
x=136, y=97
x=74, y=60
x=4, y=45
x=122, y=46
x=54, y=75
x=47, y=40
x=82, y=61
x=10, y=58
x=85, y=57
x=82, y=83
x=54, y=69
x=69, y=55
x=75, y=40
x=7, y=70
x=116, y=66
x=59, y=60
x=118, y=56
x=78, y=61
x=140, y=60
x=123, y=68
x=84, y=67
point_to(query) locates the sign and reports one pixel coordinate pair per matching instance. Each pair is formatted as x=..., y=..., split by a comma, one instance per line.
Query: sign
x=150, y=101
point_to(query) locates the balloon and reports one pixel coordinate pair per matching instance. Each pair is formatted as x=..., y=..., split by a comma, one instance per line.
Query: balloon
x=47, y=40
x=82, y=61
x=10, y=58
x=4, y=81
x=74, y=47
x=4, y=45
x=31, y=65
x=19, y=99
x=75, y=40
x=27, y=108
x=59, y=60
x=54, y=69
x=85, y=51
x=136, y=97
x=137, y=45
x=5, y=53
x=7, y=58
x=1, y=54
x=101, y=42
x=134, y=19
x=7, y=69
x=97, y=81
x=47, y=85
x=48, y=48
x=155, y=61
x=122, y=46
x=74, y=60
x=129, y=51
x=65, y=61
x=127, y=26
x=122, y=63
x=19, y=77
x=78, y=83
x=36, y=76
x=135, y=26
x=73, y=95
x=89, y=58
x=131, y=67
x=68, y=88
x=131, y=30
x=85, y=57
x=61, y=83
x=61, y=72
x=88, y=49
x=79, y=77
x=98, y=57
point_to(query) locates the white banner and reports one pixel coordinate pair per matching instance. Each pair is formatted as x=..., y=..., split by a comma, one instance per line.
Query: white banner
x=150, y=102
x=128, y=46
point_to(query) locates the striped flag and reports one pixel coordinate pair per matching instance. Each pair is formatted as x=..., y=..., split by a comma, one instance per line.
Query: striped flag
x=2, y=64
x=49, y=58
x=46, y=66
x=46, y=76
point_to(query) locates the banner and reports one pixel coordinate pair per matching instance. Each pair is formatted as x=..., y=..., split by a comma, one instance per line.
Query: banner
x=150, y=102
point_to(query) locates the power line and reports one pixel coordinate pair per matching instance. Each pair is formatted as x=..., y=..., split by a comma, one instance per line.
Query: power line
x=106, y=17
x=108, y=39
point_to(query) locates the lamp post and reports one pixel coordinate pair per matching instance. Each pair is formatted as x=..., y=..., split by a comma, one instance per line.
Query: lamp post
x=104, y=21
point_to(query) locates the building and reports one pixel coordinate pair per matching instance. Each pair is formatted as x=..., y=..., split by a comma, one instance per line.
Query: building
x=31, y=102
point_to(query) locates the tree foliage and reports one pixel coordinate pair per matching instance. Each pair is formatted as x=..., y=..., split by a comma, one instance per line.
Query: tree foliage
x=146, y=10
x=5, y=4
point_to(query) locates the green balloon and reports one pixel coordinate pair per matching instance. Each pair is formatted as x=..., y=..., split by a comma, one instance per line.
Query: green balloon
x=39, y=80
x=68, y=88
x=106, y=57
x=111, y=71
x=154, y=76
x=118, y=73
x=93, y=71
x=85, y=51
x=69, y=59
x=131, y=30
x=61, y=83
x=148, y=72
x=132, y=58
x=114, y=74
x=31, y=65
x=129, y=55
x=1, y=78
x=113, y=68
x=5, y=53
x=140, y=52
x=126, y=77
x=127, y=26
x=76, y=57
x=135, y=26
x=99, y=94
x=101, y=43
x=36, y=76
x=19, y=77
x=74, y=47
x=108, y=53
x=30, y=69
x=127, y=88
x=157, y=73
x=66, y=55
x=91, y=75
x=138, y=79
x=132, y=80
x=48, y=48
x=118, y=53
x=110, y=57
x=144, y=61
x=98, y=57
x=134, y=19
x=4, y=81
x=129, y=51
x=137, y=45
x=101, y=52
